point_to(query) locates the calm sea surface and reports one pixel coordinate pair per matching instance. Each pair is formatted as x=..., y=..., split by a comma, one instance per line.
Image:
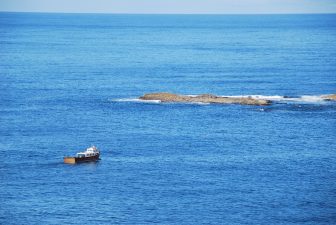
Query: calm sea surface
x=71, y=80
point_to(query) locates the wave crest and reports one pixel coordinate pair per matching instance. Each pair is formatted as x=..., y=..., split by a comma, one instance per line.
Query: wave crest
x=134, y=100
x=279, y=98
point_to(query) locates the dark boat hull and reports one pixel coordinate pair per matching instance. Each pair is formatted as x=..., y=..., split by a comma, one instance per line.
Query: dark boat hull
x=73, y=160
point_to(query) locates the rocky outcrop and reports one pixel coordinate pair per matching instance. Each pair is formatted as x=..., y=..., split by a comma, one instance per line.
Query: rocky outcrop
x=204, y=98
x=331, y=97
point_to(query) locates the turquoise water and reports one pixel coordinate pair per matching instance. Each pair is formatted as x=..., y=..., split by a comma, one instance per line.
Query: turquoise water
x=71, y=80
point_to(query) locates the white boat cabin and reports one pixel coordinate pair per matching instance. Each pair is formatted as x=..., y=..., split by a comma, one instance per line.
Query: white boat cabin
x=92, y=151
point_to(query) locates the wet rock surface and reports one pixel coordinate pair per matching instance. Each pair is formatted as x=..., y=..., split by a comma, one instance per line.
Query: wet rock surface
x=331, y=97
x=204, y=98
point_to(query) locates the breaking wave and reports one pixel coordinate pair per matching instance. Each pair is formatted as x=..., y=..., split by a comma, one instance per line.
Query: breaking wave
x=285, y=99
x=137, y=100
x=134, y=100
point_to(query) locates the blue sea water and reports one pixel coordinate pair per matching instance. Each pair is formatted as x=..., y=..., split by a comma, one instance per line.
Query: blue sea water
x=71, y=80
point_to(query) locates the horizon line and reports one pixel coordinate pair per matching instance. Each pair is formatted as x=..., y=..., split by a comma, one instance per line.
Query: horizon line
x=171, y=13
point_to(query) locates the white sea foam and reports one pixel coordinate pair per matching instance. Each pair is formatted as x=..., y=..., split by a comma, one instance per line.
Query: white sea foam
x=150, y=101
x=312, y=98
x=134, y=100
x=200, y=103
x=275, y=98
x=270, y=97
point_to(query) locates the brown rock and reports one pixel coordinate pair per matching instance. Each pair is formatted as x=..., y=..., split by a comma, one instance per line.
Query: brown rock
x=204, y=98
x=331, y=97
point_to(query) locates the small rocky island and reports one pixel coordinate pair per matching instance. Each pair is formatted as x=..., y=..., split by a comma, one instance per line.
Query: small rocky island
x=204, y=98
x=331, y=97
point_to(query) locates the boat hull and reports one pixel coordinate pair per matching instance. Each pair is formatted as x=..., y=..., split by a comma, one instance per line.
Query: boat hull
x=74, y=160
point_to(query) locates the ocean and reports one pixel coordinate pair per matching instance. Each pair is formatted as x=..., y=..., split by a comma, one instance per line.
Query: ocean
x=69, y=81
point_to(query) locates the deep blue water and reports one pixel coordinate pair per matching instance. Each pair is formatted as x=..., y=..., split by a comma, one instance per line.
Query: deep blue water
x=67, y=81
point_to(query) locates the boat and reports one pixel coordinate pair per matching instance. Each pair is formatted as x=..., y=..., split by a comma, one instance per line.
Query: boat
x=91, y=154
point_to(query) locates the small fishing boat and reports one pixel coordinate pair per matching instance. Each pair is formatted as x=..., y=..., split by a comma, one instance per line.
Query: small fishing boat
x=90, y=155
